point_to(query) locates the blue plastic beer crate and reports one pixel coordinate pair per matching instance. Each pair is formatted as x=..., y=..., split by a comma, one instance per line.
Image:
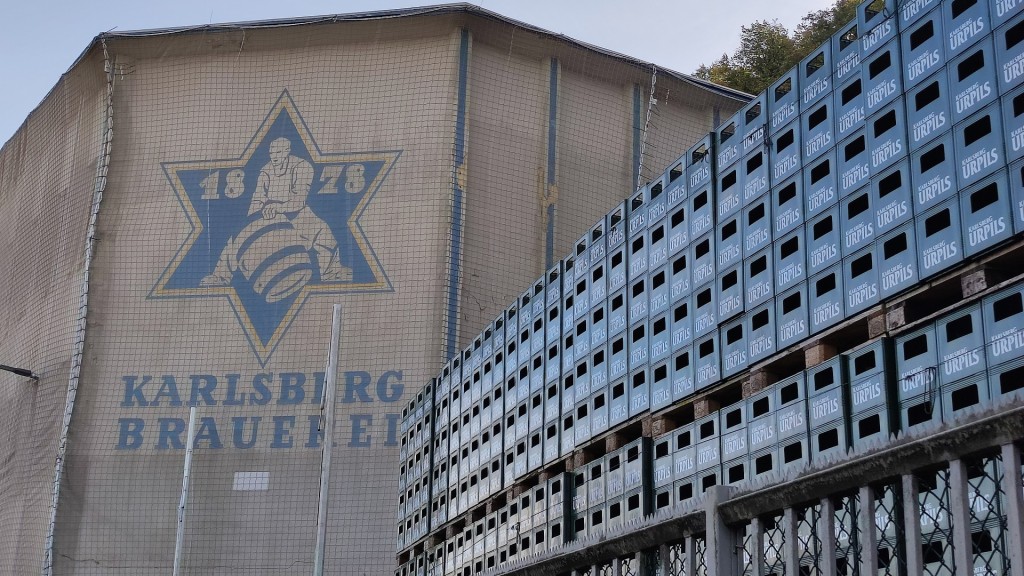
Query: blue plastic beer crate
x=876, y=22
x=616, y=259
x=897, y=260
x=662, y=470
x=618, y=406
x=707, y=367
x=845, y=52
x=600, y=415
x=792, y=315
x=636, y=256
x=972, y=80
x=729, y=191
x=639, y=392
x=932, y=175
x=870, y=369
x=1013, y=124
x=792, y=425
x=637, y=218
x=681, y=325
x=790, y=260
x=638, y=299
x=760, y=329
x=730, y=242
x=968, y=392
x=761, y=412
x=709, y=455
x=1016, y=175
x=699, y=164
x=916, y=363
x=818, y=126
x=861, y=280
x=705, y=308
x=938, y=238
x=568, y=391
x=1001, y=11
x=1006, y=380
x=856, y=220
x=984, y=214
x=787, y=208
x=598, y=326
x=824, y=240
x=922, y=45
x=854, y=161
x=757, y=226
x=617, y=313
x=728, y=148
x=823, y=377
x=964, y=22
x=661, y=387
x=730, y=293
x=584, y=382
x=682, y=373
x=658, y=289
x=618, y=358
x=928, y=110
x=755, y=124
x=553, y=326
x=655, y=200
x=675, y=183
x=887, y=135
x=826, y=408
x=785, y=157
x=826, y=299
x=849, y=106
x=1003, y=314
x=679, y=279
x=960, y=344
x=1010, y=54
x=734, y=347
x=755, y=174
x=660, y=338
x=816, y=75
x=829, y=441
x=702, y=259
x=784, y=101
x=678, y=230
x=882, y=74
x=891, y=198
x=819, y=181
x=758, y=276
x=978, y=146
x=552, y=442
x=702, y=210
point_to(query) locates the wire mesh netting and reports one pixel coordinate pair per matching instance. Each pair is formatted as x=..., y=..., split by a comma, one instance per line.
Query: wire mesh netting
x=677, y=559
x=203, y=197
x=892, y=560
x=937, y=543
x=809, y=543
x=774, y=546
x=847, y=535
x=700, y=552
x=987, y=514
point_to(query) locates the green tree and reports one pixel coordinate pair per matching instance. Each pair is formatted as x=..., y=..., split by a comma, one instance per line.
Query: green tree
x=767, y=50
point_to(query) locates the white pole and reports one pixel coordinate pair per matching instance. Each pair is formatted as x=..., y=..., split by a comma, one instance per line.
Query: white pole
x=179, y=537
x=327, y=418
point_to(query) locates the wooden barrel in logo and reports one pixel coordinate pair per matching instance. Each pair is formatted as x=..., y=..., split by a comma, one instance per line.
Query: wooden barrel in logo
x=273, y=258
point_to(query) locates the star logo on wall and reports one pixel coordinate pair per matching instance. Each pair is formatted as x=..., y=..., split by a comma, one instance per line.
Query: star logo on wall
x=275, y=226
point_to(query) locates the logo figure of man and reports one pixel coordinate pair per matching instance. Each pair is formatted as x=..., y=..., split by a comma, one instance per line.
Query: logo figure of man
x=282, y=191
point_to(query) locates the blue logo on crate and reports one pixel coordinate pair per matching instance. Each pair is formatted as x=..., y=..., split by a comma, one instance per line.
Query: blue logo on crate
x=275, y=225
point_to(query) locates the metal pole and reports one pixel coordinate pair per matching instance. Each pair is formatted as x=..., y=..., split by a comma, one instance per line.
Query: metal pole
x=179, y=537
x=327, y=418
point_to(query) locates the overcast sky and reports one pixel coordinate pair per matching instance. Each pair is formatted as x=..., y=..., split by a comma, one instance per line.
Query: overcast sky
x=40, y=39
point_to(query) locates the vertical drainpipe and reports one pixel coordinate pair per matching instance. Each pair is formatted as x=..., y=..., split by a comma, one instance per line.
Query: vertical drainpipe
x=99, y=185
x=458, y=213
x=549, y=201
